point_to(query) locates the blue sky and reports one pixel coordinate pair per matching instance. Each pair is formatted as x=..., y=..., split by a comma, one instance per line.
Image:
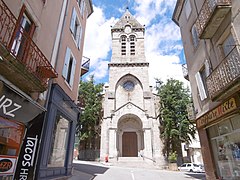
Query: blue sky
x=163, y=46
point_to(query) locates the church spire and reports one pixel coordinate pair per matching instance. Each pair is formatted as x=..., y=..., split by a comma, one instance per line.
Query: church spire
x=127, y=19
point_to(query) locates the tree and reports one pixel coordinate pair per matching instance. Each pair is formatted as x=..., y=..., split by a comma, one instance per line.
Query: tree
x=90, y=97
x=175, y=125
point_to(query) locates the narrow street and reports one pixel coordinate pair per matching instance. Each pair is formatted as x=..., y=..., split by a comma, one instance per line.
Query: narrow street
x=93, y=170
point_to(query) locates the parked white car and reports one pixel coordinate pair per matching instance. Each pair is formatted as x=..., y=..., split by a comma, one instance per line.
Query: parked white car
x=191, y=167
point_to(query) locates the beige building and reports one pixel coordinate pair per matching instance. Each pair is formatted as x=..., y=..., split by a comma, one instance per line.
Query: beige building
x=41, y=45
x=210, y=31
x=130, y=127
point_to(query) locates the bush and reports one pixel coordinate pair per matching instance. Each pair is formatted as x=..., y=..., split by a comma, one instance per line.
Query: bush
x=172, y=158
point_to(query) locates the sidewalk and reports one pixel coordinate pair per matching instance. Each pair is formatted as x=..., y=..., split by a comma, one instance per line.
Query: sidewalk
x=87, y=170
x=79, y=175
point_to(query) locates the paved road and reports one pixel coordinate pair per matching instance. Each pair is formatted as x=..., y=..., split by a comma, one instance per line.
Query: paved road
x=96, y=171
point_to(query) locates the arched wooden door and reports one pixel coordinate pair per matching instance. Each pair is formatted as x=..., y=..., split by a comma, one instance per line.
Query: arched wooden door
x=129, y=144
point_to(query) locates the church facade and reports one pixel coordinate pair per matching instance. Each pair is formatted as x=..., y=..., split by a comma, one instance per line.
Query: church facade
x=130, y=127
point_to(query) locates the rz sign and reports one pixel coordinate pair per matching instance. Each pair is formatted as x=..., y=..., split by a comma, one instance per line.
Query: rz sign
x=8, y=106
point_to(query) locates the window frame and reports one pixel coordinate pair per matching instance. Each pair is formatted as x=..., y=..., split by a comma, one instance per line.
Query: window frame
x=52, y=163
x=200, y=85
x=229, y=39
x=123, y=45
x=76, y=28
x=195, y=37
x=132, y=48
x=69, y=67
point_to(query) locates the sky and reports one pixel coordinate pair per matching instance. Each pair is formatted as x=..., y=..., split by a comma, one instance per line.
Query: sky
x=163, y=45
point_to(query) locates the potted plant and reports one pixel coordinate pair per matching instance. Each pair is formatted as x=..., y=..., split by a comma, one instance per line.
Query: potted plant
x=172, y=161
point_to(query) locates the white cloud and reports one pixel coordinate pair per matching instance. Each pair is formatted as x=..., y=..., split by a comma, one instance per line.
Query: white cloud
x=98, y=42
x=164, y=67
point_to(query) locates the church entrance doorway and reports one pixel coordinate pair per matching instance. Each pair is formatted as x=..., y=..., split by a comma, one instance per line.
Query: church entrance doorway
x=129, y=144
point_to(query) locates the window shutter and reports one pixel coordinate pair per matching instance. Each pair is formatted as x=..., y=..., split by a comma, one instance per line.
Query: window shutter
x=72, y=72
x=66, y=63
x=82, y=7
x=200, y=85
x=73, y=20
x=79, y=36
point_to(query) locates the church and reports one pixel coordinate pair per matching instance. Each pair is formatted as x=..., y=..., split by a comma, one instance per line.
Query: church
x=130, y=127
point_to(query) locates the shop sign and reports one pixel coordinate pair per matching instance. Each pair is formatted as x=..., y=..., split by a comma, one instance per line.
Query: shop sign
x=15, y=106
x=219, y=111
x=7, y=164
x=27, y=157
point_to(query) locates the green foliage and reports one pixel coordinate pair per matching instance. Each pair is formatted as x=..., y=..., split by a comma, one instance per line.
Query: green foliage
x=172, y=158
x=175, y=125
x=90, y=96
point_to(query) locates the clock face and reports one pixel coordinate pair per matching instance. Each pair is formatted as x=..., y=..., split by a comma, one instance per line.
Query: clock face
x=128, y=85
x=127, y=29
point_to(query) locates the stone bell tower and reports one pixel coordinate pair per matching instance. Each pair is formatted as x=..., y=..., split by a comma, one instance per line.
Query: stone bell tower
x=130, y=127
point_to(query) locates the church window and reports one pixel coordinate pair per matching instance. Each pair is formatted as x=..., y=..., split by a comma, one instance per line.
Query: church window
x=123, y=45
x=128, y=85
x=132, y=45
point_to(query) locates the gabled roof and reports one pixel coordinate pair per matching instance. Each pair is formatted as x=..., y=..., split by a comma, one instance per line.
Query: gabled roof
x=127, y=18
x=130, y=103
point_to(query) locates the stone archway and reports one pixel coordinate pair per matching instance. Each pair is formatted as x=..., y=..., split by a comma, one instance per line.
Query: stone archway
x=130, y=136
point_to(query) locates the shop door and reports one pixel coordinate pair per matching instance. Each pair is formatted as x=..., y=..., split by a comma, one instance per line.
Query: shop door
x=129, y=144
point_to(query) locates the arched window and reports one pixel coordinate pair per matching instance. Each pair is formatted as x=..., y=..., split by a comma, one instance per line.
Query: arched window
x=132, y=45
x=123, y=45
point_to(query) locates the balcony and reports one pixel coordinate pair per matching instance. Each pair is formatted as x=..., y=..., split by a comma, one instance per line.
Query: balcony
x=224, y=80
x=85, y=65
x=185, y=71
x=211, y=16
x=21, y=61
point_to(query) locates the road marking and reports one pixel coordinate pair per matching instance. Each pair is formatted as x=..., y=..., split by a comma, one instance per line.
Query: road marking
x=132, y=175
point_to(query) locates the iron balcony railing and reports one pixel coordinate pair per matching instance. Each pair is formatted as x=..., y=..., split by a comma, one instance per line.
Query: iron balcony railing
x=21, y=46
x=85, y=65
x=225, y=75
x=210, y=17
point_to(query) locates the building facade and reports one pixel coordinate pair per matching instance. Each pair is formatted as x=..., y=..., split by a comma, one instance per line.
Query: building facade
x=40, y=67
x=57, y=147
x=210, y=34
x=130, y=127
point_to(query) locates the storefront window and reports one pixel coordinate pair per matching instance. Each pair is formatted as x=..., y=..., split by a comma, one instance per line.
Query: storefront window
x=11, y=135
x=224, y=127
x=235, y=122
x=59, y=146
x=226, y=150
